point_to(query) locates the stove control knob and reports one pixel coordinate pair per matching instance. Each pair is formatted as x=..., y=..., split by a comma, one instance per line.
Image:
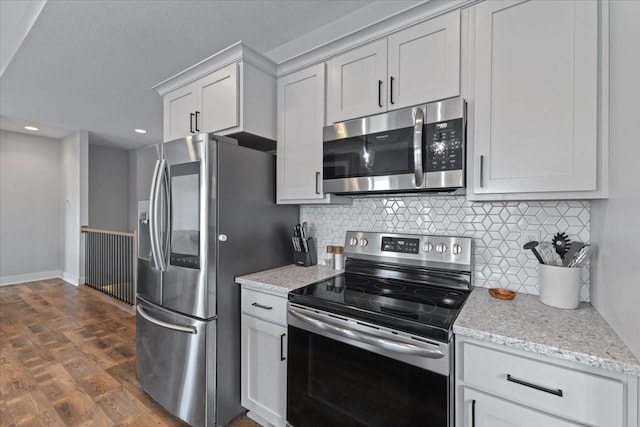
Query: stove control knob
x=441, y=248
x=428, y=247
x=353, y=241
x=364, y=242
x=456, y=249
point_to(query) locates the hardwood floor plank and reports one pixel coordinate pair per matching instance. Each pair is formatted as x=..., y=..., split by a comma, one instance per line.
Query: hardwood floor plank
x=67, y=358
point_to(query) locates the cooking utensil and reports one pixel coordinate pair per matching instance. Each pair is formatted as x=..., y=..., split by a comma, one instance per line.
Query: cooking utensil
x=548, y=253
x=562, y=243
x=532, y=247
x=581, y=257
x=572, y=252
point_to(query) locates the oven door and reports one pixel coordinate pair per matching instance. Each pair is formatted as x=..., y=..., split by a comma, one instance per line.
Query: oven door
x=336, y=379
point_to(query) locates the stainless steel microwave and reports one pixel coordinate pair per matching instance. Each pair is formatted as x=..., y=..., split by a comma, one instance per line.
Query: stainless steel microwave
x=416, y=149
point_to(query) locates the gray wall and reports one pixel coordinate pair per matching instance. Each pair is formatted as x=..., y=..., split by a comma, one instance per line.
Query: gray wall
x=615, y=222
x=108, y=188
x=74, y=160
x=31, y=197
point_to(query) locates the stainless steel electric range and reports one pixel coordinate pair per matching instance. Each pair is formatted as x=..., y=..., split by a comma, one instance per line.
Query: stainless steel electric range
x=372, y=347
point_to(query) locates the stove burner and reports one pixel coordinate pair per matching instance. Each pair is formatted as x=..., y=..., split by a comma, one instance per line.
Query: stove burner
x=398, y=306
x=388, y=287
x=357, y=280
x=431, y=293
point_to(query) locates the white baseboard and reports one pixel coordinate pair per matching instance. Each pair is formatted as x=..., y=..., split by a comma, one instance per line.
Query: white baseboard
x=257, y=418
x=71, y=278
x=31, y=277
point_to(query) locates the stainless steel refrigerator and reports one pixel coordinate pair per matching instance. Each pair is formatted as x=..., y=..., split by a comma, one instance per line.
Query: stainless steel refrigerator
x=212, y=217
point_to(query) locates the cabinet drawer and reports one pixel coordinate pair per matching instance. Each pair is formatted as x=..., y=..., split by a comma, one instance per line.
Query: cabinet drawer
x=576, y=395
x=265, y=306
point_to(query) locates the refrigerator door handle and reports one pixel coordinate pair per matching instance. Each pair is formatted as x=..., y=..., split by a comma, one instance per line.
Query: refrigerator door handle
x=144, y=314
x=153, y=215
x=158, y=250
x=167, y=224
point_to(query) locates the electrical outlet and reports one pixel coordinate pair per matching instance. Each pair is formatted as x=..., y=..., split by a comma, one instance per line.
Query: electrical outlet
x=528, y=236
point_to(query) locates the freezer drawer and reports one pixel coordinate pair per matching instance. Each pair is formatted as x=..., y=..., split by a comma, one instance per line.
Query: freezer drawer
x=175, y=362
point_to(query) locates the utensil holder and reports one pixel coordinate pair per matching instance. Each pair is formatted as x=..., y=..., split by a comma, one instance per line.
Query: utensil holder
x=559, y=286
x=306, y=259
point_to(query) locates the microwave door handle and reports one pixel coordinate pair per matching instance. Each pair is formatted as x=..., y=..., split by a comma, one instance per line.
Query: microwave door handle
x=418, y=125
x=153, y=215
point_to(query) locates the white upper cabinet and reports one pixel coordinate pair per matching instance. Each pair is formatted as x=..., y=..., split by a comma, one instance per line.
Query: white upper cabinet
x=179, y=109
x=218, y=99
x=232, y=91
x=424, y=62
x=358, y=85
x=535, y=85
x=300, y=121
x=413, y=66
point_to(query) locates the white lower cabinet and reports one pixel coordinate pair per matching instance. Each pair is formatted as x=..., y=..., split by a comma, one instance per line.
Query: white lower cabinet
x=498, y=386
x=264, y=352
x=484, y=410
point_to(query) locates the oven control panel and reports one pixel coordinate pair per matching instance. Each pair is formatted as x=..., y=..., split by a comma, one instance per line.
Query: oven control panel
x=400, y=245
x=411, y=249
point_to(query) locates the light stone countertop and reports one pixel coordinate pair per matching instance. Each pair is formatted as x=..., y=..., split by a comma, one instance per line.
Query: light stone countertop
x=281, y=280
x=580, y=335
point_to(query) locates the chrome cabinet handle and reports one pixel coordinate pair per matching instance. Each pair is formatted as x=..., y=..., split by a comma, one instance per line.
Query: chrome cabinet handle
x=399, y=346
x=282, y=347
x=317, y=182
x=265, y=307
x=380, y=93
x=418, y=124
x=555, y=392
x=481, y=171
x=145, y=315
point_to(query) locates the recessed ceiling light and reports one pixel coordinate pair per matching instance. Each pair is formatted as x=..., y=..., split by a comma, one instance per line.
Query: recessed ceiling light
x=141, y=131
x=30, y=128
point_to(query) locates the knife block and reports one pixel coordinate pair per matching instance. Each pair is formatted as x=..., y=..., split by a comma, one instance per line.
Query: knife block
x=306, y=259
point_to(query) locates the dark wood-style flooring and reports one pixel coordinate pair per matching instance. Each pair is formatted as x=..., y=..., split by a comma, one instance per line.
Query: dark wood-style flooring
x=67, y=358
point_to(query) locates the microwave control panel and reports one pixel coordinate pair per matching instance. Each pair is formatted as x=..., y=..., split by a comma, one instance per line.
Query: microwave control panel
x=444, y=146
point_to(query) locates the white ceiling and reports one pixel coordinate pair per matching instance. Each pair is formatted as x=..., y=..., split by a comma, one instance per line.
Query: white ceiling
x=91, y=64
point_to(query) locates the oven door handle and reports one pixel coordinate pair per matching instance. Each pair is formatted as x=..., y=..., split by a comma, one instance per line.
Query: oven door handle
x=397, y=345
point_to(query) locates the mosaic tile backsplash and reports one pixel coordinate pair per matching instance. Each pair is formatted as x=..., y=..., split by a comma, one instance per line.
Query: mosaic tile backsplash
x=496, y=228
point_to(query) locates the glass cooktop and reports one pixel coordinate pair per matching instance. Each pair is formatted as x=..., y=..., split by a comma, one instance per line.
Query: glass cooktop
x=421, y=309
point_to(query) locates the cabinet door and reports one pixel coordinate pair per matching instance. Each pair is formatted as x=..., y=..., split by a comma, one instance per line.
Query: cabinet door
x=264, y=369
x=178, y=106
x=536, y=99
x=218, y=100
x=483, y=410
x=424, y=62
x=357, y=82
x=300, y=122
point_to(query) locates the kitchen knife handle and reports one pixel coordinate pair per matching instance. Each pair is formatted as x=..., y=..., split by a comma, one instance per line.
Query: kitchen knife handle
x=282, y=347
x=481, y=171
x=264, y=307
x=380, y=93
x=317, y=182
x=391, y=79
x=191, y=116
x=197, y=114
